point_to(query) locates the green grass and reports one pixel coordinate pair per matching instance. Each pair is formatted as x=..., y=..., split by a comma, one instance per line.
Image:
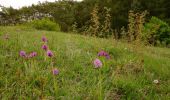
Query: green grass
x=129, y=74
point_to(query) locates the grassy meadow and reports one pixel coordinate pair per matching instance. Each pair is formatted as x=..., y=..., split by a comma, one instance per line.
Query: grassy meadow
x=128, y=74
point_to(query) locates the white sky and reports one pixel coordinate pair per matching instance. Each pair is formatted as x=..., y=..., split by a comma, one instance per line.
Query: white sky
x=21, y=3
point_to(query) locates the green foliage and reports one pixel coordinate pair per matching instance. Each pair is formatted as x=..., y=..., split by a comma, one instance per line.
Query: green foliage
x=95, y=25
x=157, y=32
x=136, y=24
x=1, y=33
x=100, y=27
x=45, y=24
x=106, y=17
x=106, y=27
x=66, y=12
x=63, y=14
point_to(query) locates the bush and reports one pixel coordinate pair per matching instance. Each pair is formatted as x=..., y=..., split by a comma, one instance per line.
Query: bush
x=157, y=32
x=45, y=24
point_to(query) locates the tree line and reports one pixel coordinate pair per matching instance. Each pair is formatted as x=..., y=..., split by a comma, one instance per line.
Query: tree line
x=68, y=12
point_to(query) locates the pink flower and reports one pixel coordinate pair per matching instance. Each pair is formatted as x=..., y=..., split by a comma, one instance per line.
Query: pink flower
x=49, y=53
x=22, y=53
x=31, y=55
x=97, y=63
x=55, y=71
x=44, y=39
x=45, y=47
x=103, y=53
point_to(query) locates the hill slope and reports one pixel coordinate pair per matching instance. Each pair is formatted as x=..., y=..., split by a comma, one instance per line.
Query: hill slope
x=129, y=74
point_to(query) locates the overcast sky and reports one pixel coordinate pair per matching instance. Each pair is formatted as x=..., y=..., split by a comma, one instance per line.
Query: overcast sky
x=21, y=3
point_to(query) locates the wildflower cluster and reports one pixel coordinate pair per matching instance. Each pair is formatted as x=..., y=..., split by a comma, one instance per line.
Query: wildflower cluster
x=104, y=54
x=45, y=47
x=25, y=55
x=49, y=53
x=97, y=62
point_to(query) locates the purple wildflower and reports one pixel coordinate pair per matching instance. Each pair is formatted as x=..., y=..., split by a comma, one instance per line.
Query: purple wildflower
x=49, y=53
x=22, y=53
x=107, y=57
x=44, y=39
x=55, y=71
x=33, y=54
x=97, y=63
x=45, y=47
x=105, y=54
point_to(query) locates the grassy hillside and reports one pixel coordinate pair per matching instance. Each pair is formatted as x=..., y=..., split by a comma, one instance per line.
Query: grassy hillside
x=129, y=74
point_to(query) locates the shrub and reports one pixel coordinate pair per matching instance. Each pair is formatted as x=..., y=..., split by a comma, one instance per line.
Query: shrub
x=98, y=27
x=157, y=32
x=45, y=24
x=135, y=25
